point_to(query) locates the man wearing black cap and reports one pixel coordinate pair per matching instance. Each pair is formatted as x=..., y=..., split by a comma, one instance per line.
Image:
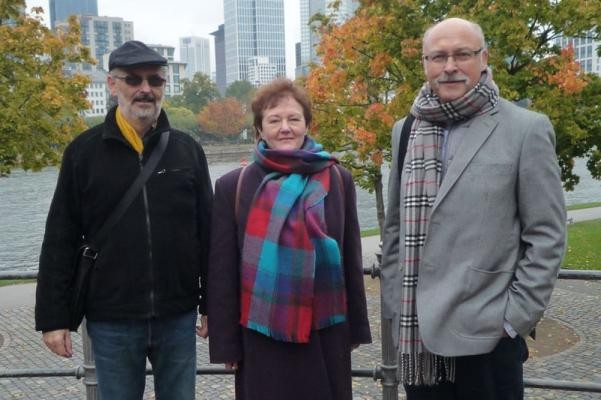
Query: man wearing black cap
x=149, y=277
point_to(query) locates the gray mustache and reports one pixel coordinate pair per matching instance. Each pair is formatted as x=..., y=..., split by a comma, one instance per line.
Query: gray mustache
x=144, y=98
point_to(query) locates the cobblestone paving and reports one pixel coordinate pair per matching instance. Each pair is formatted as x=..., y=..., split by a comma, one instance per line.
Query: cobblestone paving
x=578, y=307
x=580, y=310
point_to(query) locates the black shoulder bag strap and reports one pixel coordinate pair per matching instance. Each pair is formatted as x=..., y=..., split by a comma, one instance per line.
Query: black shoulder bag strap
x=88, y=252
x=404, y=141
x=133, y=190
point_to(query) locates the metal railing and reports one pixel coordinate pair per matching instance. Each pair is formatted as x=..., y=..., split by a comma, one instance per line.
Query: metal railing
x=386, y=372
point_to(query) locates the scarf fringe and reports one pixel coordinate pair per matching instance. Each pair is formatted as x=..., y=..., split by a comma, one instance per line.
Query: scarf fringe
x=425, y=369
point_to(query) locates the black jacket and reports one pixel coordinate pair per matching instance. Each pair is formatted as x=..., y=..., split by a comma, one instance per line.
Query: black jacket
x=156, y=253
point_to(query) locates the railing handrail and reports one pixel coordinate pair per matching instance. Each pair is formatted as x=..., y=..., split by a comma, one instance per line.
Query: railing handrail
x=381, y=372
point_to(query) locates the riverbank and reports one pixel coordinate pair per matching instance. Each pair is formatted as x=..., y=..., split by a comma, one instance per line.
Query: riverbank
x=228, y=152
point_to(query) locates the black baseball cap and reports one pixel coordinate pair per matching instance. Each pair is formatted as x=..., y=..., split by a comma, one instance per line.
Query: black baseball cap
x=134, y=54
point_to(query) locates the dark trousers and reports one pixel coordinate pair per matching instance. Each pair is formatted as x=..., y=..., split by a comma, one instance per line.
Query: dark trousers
x=497, y=375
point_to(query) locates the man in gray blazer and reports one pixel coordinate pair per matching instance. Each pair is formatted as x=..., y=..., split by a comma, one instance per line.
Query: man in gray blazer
x=475, y=227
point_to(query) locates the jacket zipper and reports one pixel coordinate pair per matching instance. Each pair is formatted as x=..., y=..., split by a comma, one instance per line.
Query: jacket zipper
x=148, y=235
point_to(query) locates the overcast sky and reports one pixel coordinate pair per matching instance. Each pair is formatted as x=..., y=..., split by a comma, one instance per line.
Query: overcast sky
x=164, y=22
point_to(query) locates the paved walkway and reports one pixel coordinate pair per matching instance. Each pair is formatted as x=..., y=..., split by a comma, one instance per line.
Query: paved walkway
x=574, y=312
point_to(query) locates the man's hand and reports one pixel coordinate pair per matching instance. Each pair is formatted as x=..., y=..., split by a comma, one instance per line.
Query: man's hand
x=59, y=342
x=202, y=330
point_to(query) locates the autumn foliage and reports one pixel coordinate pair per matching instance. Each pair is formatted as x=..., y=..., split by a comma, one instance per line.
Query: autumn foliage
x=224, y=117
x=371, y=70
x=40, y=105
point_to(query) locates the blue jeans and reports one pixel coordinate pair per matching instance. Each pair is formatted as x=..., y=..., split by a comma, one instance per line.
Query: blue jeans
x=121, y=348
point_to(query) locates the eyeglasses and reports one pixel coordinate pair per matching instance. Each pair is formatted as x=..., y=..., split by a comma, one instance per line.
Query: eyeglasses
x=459, y=57
x=136, y=80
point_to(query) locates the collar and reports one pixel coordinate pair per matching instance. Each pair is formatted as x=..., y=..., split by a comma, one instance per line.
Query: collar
x=112, y=132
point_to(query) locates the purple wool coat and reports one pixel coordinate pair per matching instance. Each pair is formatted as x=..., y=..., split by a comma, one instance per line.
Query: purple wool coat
x=271, y=369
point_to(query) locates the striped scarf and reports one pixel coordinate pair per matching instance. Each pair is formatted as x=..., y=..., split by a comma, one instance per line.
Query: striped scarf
x=417, y=366
x=291, y=275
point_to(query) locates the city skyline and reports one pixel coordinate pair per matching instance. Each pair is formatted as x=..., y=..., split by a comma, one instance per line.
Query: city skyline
x=181, y=19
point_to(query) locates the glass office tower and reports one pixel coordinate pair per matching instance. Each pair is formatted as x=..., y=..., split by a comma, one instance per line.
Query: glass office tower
x=309, y=38
x=254, y=40
x=195, y=52
x=60, y=10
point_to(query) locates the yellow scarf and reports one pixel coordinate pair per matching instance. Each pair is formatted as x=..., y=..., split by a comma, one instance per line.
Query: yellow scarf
x=128, y=132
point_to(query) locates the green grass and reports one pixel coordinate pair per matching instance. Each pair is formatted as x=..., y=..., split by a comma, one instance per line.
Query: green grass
x=583, y=250
x=584, y=246
x=376, y=231
x=584, y=205
x=15, y=282
x=370, y=232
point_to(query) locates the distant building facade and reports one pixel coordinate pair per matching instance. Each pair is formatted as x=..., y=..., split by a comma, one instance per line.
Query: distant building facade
x=297, y=54
x=260, y=70
x=176, y=70
x=196, y=53
x=102, y=35
x=254, y=32
x=97, y=94
x=585, y=52
x=60, y=10
x=309, y=38
x=220, y=72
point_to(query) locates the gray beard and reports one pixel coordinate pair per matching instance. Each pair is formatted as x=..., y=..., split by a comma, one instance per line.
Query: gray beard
x=147, y=114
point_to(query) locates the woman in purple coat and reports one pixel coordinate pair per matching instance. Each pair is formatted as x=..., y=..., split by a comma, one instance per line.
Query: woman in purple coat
x=286, y=300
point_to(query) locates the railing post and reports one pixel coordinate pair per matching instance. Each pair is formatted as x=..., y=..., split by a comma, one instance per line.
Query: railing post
x=89, y=367
x=390, y=385
x=388, y=368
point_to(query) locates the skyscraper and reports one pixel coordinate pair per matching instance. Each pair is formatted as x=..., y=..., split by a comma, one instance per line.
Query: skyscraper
x=60, y=10
x=254, y=33
x=220, y=72
x=103, y=35
x=195, y=52
x=309, y=38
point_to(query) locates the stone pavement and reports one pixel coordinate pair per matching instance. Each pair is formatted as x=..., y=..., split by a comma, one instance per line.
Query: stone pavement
x=575, y=309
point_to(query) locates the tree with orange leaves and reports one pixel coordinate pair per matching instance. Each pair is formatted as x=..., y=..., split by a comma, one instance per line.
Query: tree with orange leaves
x=371, y=70
x=223, y=117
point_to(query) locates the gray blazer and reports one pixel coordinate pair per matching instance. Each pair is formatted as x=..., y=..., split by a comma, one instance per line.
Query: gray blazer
x=496, y=235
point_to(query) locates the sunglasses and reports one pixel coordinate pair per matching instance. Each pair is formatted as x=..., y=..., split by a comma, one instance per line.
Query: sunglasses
x=136, y=80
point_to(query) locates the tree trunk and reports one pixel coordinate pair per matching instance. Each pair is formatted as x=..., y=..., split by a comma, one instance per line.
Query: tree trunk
x=379, y=201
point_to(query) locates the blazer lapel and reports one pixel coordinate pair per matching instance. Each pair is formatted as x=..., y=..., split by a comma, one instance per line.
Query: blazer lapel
x=475, y=132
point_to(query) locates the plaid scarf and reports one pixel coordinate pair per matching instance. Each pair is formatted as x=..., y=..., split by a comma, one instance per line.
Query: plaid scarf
x=417, y=366
x=291, y=279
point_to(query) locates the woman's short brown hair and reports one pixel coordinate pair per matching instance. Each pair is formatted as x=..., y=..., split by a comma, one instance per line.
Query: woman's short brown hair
x=270, y=94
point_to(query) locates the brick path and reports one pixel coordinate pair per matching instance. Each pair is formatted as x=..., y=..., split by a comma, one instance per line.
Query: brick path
x=574, y=304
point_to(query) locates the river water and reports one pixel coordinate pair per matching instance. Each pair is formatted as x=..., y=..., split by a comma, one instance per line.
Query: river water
x=25, y=198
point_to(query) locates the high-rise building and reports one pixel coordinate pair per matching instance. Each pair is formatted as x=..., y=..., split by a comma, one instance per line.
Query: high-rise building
x=309, y=38
x=585, y=52
x=297, y=54
x=60, y=10
x=175, y=69
x=254, y=30
x=220, y=72
x=103, y=35
x=195, y=52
